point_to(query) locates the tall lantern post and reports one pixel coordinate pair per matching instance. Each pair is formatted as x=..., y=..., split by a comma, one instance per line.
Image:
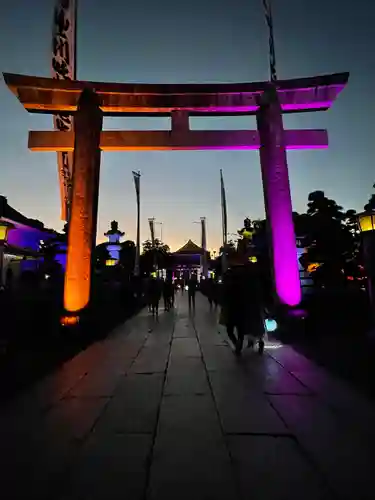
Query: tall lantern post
x=366, y=225
x=5, y=227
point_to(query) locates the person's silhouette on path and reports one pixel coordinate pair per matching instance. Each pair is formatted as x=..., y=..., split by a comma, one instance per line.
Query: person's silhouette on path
x=242, y=303
x=155, y=290
x=192, y=288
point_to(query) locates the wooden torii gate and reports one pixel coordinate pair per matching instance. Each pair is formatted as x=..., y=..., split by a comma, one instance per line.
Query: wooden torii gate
x=89, y=102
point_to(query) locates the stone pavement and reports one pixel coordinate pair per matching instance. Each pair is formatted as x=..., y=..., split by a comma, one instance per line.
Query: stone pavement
x=165, y=410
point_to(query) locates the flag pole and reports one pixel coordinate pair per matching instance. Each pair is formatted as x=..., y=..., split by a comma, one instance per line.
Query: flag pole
x=224, y=221
x=151, y=222
x=137, y=184
x=204, y=246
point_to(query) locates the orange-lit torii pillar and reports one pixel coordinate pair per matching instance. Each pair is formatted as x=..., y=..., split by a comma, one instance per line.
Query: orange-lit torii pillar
x=88, y=121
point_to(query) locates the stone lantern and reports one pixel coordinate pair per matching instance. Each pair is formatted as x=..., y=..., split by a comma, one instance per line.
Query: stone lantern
x=113, y=246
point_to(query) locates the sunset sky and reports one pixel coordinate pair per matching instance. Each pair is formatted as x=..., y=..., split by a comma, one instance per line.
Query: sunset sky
x=192, y=42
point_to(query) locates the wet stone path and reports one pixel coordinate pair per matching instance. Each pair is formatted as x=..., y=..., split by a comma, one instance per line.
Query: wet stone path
x=164, y=409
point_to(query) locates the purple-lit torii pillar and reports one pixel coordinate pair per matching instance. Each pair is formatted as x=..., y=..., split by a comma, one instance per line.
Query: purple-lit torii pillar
x=277, y=198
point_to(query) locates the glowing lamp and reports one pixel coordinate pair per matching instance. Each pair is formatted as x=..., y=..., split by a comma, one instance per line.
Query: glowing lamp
x=253, y=259
x=313, y=267
x=69, y=320
x=270, y=325
x=5, y=227
x=110, y=262
x=366, y=221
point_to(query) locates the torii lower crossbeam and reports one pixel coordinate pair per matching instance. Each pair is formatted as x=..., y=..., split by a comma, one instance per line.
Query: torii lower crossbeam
x=164, y=140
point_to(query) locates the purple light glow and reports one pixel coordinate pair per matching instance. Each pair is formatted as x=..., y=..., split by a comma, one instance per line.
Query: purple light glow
x=26, y=238
x=238, y=148
x=278, y=201
x=287, y=279
x=300, y=106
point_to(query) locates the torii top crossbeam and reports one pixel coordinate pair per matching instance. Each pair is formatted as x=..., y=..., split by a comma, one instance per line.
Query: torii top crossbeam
x=46, y=95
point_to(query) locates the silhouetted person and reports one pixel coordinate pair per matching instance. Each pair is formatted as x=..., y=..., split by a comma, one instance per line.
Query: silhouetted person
x=243, y=303
x=211, y=288
x=168, y=294
x=155, y=290
x=192, y=288
x=149, y=288
x=172, y=293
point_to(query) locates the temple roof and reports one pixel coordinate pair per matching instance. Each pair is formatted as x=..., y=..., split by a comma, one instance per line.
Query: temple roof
x=10, y=213
x=190, y=248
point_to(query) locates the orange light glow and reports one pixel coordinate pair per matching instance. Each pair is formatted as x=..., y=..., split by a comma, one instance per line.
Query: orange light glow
x=313, y=267
x=78, y=269
x=69, y=320
x=367, y=221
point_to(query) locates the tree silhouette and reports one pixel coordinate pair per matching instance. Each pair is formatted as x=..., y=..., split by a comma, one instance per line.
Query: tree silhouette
x=331, y=238
x=370, y=205
x=159, y=255
x=146, y=246
x=319, y=204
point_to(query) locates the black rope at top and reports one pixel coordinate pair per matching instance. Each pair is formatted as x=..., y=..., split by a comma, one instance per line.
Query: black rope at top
x=272, y=55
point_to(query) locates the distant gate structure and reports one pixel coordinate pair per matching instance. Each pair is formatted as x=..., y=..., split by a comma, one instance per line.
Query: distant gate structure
x=89, y=102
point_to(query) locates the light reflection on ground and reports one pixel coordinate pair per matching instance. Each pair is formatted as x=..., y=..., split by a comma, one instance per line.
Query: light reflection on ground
x=272, y=345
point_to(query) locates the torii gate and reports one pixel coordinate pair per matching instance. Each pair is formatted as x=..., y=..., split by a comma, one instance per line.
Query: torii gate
x=91, y=101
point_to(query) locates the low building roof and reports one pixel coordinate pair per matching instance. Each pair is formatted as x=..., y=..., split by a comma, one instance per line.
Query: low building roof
x=10, y=213
x=190, y=248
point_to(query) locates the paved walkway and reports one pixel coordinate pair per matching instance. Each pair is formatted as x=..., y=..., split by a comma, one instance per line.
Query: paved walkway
x=165, y=410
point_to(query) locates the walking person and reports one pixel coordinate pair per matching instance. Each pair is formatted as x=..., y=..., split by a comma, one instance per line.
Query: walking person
x=165, y=295
x=168, y=294
x=172, y=289
x=149, y=288
x=212, y=292
x=155, y=296
x=242, y=303
x=209, y=287
x=192, y=288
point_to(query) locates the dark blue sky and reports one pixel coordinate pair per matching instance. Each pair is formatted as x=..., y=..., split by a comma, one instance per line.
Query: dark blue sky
x=195, y=41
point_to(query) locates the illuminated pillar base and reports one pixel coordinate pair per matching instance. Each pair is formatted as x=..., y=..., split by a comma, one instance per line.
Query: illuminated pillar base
x=83, y=218
x=278, y=199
